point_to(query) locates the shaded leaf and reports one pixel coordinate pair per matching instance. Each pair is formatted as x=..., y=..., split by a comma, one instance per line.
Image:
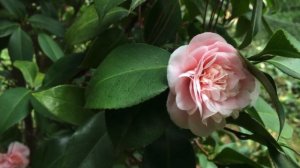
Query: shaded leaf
x=50, y=47
x=7, y=27
x=29, y=71
x=63, y=103
x=135, y=3
x=129, y=75
x=104, y=6
x=47, y=23
x=14, y=7
x=14, y=106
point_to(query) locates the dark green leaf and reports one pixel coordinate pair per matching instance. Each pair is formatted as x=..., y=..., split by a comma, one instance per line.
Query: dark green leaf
x=138, y=126
x=162, y=22
x=104, y=6
x=20, y=46
x=172, y=150
x=255, y=23
x=239, y=7
x=290, y=66
x=229, y=156
x=129, y=75
x=50, y=47
x=102, y=46
x=63, y=70
x=135, y=3
x=47, y=23
x=29, y=71
x=63, y=103
x=7, y=27
x=14, y=106
x=15, y=7
x=90, y=146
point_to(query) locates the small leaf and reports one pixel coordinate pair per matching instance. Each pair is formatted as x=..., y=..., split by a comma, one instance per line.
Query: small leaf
x=7, y=27
x=162, y=22
x=29, y=71
x=129, y=75
x=172, y=150
x=104, y=6
x=135, y=3
x=255, y=23
x=20, y=46
x=14, y=106
x=15, y=7
x=63, y=70
x=90, y=146
x=50, y=47
x=102, y=46
x=47, y=23
x=63, y=103
x=290, y=66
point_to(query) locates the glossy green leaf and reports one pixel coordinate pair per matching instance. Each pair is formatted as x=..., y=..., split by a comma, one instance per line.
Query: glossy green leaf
x=135, y=3
x=138, y=126
x=162, y=22
x=63, y=103
x=88, y=24
x=29, y=71
x=255, y=23
x=14, y=106
x=47, y=23
x=7, y=27
x=102, y=46
x=104, y=6
x=63, y=70
x=129, y=75
x=271, y=89
x=172, y=150
x=229, y=156
x=14, y=7
x=90, y=146
x=290, y=66
x=50, y=47
x=20, y=46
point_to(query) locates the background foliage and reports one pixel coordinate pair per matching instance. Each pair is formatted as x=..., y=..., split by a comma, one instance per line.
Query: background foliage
x=83, y=83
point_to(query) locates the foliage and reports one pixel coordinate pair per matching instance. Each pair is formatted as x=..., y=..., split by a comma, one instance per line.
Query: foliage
x=83, y=82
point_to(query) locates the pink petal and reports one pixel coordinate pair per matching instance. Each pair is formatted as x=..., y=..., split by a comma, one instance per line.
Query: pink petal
x=184, y=99
x=204, y=39
x=179, y=117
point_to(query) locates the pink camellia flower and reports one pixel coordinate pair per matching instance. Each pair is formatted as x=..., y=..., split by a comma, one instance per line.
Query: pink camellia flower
x=208, y=82
x=16, y=156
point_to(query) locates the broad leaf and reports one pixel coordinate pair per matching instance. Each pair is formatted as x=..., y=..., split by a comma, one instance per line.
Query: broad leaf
x=7, y=27
x=138, y=126
x=50, y=47
x=14, y=106
x=90, y=146
x=14, y=7
x=172, y=150
x=129, y=75
x=255, y=23
x=63, y=70
x=290, y=66
x=20, y=46
x=104, y=6
x=29, y=71
x=63, y=103
x=239, y=7
x=102, y=46
x=47, y=23
x=162, y=22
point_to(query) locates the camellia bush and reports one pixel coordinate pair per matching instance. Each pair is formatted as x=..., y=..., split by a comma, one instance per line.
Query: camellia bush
x=145, y=83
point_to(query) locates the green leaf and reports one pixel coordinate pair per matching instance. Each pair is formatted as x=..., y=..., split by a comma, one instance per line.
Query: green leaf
x=282, y=44
x=290, y=66
x=7, y=27
x=14, y=106
x=47, y=23
x=129, y=75
x=229, y=156
x=135, y=3
x=239, y=7
x=14, y=7
x=204, y=162
x=90, y=146
x=63, y=103
x=255, y=23
x=162, y=22
x=271, y=89
x=172, y=150
x=88, y=24
x=104, y=6
x=108, y=40
x=29, y=71
x=63, y=70
x=138, y=126
x=50, y=47
x=20, y=46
